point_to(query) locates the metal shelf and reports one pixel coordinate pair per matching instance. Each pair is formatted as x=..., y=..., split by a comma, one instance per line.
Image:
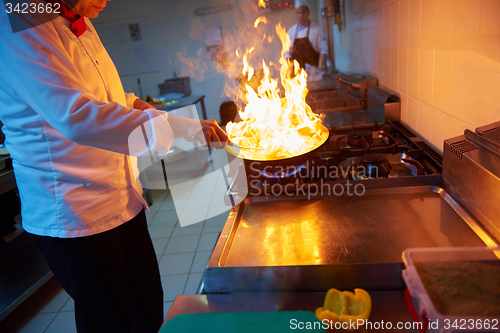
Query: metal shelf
x=23, y=272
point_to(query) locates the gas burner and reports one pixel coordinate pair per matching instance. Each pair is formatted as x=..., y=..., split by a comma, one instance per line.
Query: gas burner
x=375, y=166
x=360, y=138
x=282, y=173
x=353, y=153
x=363, y=142
x=278, y=176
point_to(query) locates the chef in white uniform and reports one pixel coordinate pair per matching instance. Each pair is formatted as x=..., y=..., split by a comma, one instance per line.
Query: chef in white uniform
x=309, y=45
x=67, y=122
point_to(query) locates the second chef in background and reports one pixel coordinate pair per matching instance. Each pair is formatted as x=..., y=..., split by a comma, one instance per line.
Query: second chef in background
x=309, y=45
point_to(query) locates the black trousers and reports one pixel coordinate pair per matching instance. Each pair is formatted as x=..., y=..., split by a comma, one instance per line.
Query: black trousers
x=113, y=278
x=11, y=206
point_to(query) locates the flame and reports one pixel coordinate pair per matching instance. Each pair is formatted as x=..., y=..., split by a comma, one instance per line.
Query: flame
x=247, y=69
x=262, y=4
x=262, y=19
x=273, y=126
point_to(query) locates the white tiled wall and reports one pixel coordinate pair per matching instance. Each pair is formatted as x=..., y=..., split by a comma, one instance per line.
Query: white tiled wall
x=442, y=56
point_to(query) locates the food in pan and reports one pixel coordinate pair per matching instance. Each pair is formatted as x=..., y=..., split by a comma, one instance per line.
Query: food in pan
x=345, y=307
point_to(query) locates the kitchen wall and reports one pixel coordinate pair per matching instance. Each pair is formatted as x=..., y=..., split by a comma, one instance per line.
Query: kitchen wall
x=179, y=42
x=442, y=56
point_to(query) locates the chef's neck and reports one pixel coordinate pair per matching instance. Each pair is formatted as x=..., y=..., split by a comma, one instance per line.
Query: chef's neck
x=304, y=23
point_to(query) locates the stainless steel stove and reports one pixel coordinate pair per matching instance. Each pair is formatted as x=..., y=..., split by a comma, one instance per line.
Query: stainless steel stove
x=367, y=142
x=308, y=229
x=359, y=152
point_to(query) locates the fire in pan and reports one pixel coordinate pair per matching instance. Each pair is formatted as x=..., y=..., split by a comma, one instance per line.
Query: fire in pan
x=274, y=159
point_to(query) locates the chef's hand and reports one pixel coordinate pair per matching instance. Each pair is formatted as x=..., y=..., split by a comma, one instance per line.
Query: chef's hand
x=142, y=105
x=214, y=136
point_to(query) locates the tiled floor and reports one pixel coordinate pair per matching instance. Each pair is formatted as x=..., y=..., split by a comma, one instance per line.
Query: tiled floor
x=182, y=253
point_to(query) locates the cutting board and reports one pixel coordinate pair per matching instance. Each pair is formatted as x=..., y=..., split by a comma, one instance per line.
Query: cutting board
x=241, y=322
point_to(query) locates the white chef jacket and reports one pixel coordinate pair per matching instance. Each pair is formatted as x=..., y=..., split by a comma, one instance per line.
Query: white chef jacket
x=316, y=37
x=67, y=121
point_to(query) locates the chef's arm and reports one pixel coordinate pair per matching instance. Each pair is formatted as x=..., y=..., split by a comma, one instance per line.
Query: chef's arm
x=207, y=132
x=131, y=100
x=323, y=50
x=322, y=61
x=39, y=73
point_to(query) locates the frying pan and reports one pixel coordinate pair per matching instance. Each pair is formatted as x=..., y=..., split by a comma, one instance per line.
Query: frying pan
x=279, y=163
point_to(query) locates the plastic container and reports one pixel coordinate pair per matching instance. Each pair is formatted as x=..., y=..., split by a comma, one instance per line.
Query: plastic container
x=419, y=301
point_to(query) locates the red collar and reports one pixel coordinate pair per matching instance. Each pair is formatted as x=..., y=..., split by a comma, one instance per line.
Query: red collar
x=78, y=25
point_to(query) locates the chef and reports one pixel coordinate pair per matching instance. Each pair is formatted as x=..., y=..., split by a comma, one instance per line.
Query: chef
x=67, y=122
x=309, y=44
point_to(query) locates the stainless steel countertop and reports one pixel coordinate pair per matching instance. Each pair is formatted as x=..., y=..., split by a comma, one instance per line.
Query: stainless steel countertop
x=281, y=244
x=374, y=228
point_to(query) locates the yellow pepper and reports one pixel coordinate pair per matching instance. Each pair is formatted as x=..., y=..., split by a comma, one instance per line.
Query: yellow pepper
x=346, y=307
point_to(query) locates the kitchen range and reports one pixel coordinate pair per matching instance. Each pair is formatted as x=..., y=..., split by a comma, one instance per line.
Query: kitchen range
x=342, y=218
